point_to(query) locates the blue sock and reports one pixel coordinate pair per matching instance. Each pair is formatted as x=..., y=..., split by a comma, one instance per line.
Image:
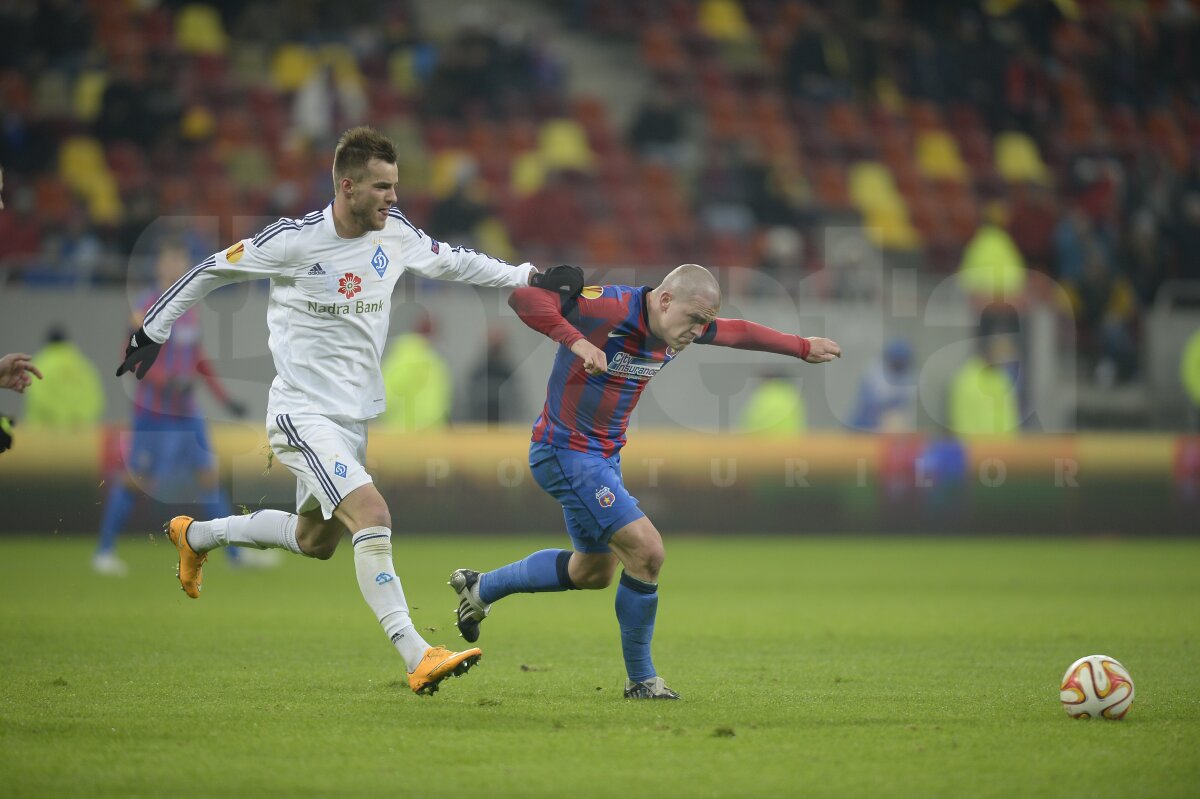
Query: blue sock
x=116, y=512
x=216, y=505
x=637, y=604
x=542, y=571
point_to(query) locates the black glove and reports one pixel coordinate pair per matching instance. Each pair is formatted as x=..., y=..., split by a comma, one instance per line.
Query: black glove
x=235, y=408
x=6, y=426
x=139, y=355
x=565, y=279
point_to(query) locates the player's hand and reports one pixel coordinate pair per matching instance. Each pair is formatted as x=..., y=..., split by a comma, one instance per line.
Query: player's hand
x=6, y=426
x=236, y=409
x=15, y=371
x=822, y=350
x=565, y=279
x=595, y=362
x=139, y=355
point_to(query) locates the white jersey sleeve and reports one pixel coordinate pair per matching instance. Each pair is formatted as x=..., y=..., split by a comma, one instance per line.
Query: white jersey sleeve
x=264, y=256
x=435, y=259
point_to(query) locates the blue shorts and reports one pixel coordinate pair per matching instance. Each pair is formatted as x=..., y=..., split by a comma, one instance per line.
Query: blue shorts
x=589, y=488
x=168, y=446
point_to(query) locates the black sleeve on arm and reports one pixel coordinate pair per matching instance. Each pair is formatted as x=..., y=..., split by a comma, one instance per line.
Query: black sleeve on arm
x=708, y=335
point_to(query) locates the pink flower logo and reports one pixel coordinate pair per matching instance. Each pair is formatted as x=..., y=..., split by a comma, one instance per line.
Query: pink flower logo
x=349, y=285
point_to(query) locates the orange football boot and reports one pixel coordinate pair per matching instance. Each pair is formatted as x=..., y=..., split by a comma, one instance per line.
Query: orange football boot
x=437, y=664
x=191, y=564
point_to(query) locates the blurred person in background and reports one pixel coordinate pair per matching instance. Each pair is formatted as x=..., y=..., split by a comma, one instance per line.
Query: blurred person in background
x=887, y=392
x=992, y=267
x=416, y=381
x=983, y=396
x=776, y=408
x=491, y=381
x=170, y=443
x=70, y=396
x=1189, y=374
x=659, y=128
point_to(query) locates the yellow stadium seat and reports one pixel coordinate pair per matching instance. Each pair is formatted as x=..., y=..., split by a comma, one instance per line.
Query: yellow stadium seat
x=197, y=124
x=344, y=64
x=563, y=144
x=448, y=166
x=1018, y=159
x=291, y=67
x=528, y=174
x=723, y=21
x=81, y=161
x=871, y=186
x=104, y=201
x=89, y=94
x=938, y=157
x=402, y=72
x=198, y=30
x=890, y=229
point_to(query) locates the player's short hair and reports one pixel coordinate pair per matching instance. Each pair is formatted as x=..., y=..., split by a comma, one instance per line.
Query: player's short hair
x=356, y=148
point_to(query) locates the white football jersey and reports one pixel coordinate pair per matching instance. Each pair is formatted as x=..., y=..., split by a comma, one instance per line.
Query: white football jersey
x=330, y=303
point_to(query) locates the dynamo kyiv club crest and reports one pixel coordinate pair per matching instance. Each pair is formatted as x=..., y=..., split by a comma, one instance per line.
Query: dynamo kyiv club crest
x=380, y=261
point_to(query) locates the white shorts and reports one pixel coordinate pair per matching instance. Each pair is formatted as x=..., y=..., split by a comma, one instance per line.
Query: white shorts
x=326, y=457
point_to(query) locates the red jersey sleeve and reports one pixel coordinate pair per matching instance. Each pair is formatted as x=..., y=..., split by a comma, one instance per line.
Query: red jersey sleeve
x=743, y=335
x=566, y=321
x=206, y=370
x=541, y=309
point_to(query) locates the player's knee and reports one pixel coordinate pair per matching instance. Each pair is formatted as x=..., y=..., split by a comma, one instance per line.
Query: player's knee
x=652, y=562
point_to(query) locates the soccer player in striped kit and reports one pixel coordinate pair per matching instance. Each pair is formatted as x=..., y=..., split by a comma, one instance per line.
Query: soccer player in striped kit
x=332, y=274
x=613, y=341
x=170, y=437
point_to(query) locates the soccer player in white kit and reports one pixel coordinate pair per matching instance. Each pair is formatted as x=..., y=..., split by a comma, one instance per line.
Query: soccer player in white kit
x=332, y=274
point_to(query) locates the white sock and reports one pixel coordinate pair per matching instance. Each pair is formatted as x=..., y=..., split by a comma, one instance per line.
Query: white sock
x=381, y=588
x=264, y=529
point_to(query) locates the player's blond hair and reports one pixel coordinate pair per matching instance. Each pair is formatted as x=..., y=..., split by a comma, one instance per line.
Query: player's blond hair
x=355, y=149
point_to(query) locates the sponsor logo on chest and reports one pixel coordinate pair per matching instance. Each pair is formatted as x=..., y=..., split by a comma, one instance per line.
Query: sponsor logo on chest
x=622, y=363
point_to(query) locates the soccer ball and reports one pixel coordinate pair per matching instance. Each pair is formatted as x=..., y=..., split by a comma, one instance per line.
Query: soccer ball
x=1096, y=687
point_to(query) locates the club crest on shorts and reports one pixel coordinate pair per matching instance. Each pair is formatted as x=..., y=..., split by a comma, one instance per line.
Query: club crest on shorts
x=605, y=497
x=339, y=468
x=383, y=577
x=380, y=260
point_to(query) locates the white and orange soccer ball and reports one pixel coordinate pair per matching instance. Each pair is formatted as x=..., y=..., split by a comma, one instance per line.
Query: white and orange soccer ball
x=1096, y=687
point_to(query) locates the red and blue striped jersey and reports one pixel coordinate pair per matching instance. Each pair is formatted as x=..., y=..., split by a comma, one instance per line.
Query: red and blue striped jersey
x=590, y=413
x=168, y=388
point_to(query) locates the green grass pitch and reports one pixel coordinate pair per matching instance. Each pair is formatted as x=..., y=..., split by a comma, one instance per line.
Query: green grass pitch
x=808, y=667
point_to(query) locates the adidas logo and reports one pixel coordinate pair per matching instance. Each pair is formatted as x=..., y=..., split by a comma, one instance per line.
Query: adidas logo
x=316, y=270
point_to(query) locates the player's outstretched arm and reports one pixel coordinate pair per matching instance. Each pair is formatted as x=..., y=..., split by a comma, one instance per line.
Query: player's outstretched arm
x=743, y=335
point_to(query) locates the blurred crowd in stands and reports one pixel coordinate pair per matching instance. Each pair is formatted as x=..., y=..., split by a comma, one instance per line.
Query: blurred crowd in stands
x=990, y=137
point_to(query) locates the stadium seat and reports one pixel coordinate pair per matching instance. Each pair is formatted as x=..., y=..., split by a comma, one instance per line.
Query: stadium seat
x=938, y=157
x=723, y=21
x=291, y=66
x=199, y=31
x=1017, y=159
